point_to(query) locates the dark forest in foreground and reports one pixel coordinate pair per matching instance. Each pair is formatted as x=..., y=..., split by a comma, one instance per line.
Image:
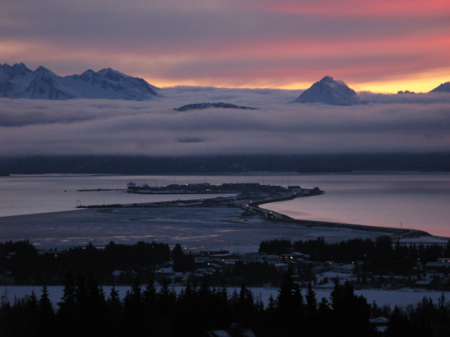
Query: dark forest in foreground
x=84, y=310
x=398, y=162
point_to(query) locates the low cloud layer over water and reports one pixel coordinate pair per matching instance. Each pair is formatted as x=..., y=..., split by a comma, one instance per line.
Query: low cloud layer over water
x=413, y=123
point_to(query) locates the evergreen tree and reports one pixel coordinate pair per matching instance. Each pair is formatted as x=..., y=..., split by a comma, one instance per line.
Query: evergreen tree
x=114, y=314
x=96, y=304
x=45, y=305
x=46, y=323
x=67, y=312
x=149, y=296
x=399, y=325
x=271, y=305
x=311, y=310
x=68, y=299
x=311, y=303
x=290, y=311
x=30, y=317
x=81, y=293
x=113, y=302
x=351, y=314
x=285, y=295
x=134, y=310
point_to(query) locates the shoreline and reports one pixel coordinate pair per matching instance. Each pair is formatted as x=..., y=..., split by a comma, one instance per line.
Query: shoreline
x=283, y=218
x=198, y=228
x=404, y=233
x=70, y=228
x=408, y=233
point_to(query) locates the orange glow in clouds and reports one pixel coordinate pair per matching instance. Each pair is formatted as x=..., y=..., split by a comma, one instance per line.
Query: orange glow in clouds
x=380, y=46
x=378, y=65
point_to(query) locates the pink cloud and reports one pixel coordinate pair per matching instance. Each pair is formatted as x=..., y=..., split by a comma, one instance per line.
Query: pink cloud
x=360, y=8
x=229, y=43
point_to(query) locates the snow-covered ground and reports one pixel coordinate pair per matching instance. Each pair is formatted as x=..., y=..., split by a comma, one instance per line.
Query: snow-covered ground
x=196, y=228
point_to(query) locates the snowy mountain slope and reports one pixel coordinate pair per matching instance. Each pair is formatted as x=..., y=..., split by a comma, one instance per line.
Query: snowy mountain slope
x=15, y=79
x=45, y=85
x=18, y=81
x=444, y=87
x=329, y=91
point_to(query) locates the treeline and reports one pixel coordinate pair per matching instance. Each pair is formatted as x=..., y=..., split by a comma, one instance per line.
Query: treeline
x=379, y=257
x=29, y=266
x=85, y=310
x=22, y=261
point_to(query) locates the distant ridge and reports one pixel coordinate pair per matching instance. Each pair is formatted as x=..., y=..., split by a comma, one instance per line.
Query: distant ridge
x=18, y=81
x=198, y=106
x=216, y=163
x=329, y=91
x=444, y=87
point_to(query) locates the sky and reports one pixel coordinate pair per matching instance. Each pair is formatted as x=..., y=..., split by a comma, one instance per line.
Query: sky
x=396, y=123
x=381, y=46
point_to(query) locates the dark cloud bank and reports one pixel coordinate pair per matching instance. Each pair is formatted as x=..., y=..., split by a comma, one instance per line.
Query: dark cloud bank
x=419, y=124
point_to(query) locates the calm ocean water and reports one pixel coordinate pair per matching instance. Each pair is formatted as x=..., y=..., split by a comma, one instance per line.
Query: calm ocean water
x=419, y=201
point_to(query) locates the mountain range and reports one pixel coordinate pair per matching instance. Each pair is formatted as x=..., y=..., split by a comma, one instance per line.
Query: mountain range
x=18, y=81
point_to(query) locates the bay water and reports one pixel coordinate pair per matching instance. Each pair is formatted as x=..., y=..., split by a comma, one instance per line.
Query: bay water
x=408, y=200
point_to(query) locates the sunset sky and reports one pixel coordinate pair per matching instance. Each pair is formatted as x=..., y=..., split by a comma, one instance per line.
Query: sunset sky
x=380, y=46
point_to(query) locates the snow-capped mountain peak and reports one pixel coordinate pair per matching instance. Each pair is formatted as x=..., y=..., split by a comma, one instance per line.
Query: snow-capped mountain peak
x=328, y=79
x=111, y=74
x=332, y=82
x=20, y=82
x=87, y=75
x=7, y=71
x=20, y=69
x=329, y=91
x=44, y=72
